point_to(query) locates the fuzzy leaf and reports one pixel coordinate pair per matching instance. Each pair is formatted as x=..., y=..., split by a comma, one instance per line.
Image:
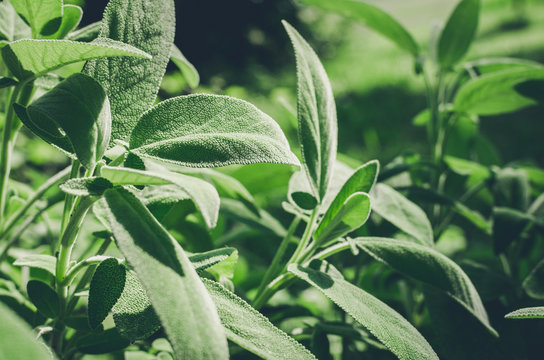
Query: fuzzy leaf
x=106, y=287
x=172, y=285
x=316, y=110
x=373, y=17
x=205, y=260
x=458, y=33
x=300, y=192
x=43, y=16
x=131, y=83
x=249, y=329
x=93, y=186
x=44, y=262
x=45, y=298
x=394, y=331
x=527, y=313
x=190, y=74
x=210, y=130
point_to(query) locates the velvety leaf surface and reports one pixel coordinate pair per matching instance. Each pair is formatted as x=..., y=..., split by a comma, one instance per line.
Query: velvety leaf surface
x=395, y=332
x=43, y=16
x=44, y=297
x=190, y=74
x=527, y=313
x=429, y=266
x=316, y=111
x=131, y=83
x=106, y=287
x=203, y=261
x=249, y=329
x=458, y=33
x=12, y=27
x=373, y=17
x=18, y=341
x=401, y=212
x=31, y=58
x=172, y=285
x=210, y=130
x=93, y=186
x=44, y=262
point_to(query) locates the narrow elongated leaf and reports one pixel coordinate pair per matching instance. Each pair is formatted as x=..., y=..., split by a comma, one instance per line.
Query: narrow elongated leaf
x=458, y=33
x=93, y=186
x=71, y=16
x=394, y=331
x=494, y=64
x=89, y=133
x=43, y=16
x=496, y=93
x=106, y=287
x=178, y=296
x=31, y=58
x=210, y=130
x=249, y=329
x=45, y=298
x=401, y=212
x=373, y=17
x=534, y=282
x=131, y=83
x=190, y=74
x=361, y=180
x=44, y=262
x=316, y=111
x=527, y=313
x=12, y=27
x=203, y=193
x=203, y=261
x=429, y=266
x=18, y=341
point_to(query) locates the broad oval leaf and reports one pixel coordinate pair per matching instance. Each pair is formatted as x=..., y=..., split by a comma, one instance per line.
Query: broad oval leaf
x=316, y=111
x=210, y=130
x=534, y=282
x=18, y=341
x=429, y=266
x=249, y=329
x=496, y=93
x=131, y=83
x=527, y=313
x=44, y=262
x=43, y=16
x=373, y=17
x=401, y=212
x=88, y=134
x=394, y=331
x=458, y=33
x=45, y=298
x=27, y=59
x=170, y=281
x=106, y=287
x=190, y=74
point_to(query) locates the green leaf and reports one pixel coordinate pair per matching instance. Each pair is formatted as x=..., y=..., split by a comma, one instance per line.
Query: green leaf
x=458, y=33
x=44, y=262
x=27, y=59
x=87, y=33
x=508, y=224
x=451, y=241
x=247, y=328
x=45, y=298
x=467, y=167
x=190, y=74
x=71, y=16
x=132, y=84
x=401, y=212
x=12, y=27
x=316, y=110
x=203, y=193
x=534, y=282
x=300, y=192
x=494, y=64
x=106, y=287
x=511, y=188
x=101, y=343
x=7, y=82
x=394, y=331
x=263, y=220
x=93, y=186
x=205, y=260
x=43, y=16
x=17, y=340
x=527, y=313
x=373, y=17
x=361, y=180
x=53, y=113
x=133, y=314
x=171, y=283
x=429, y=266
x=496, y=93
x=210, y=130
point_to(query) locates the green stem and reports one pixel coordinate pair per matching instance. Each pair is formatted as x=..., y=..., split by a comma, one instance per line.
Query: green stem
x=306, y=237
x=74, y=270
x=69, y=199
x=275, y=285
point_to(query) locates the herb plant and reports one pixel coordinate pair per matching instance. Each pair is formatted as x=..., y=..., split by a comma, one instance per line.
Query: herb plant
x=153, y=280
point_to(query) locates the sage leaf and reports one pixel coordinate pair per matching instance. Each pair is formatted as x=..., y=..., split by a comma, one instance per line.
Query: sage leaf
x=458, y=33
x=262, y=220
x=171, y=283
x=394, y=331
x=132, y=84
x=27, y=59
x=43, y=16
x=316, y=111
x=87, y=33
x=18, y=341
x=45, y=298
x=93, y=186
x=249, y=329
x=106, y=287
x=101, y=343
x=496, y=93
x=527, y=313
x=88, y=133
x=210, y=130
x=534, y=282
x=38, y=261
x=372, y=17
x=190, y=74
x=71, y=16
x=12, y=27
x=401, y=212
x=300, y=192
x=495, y=64
x=205, y=260
x=429, y=266
x=508, y=224
x=201, y=192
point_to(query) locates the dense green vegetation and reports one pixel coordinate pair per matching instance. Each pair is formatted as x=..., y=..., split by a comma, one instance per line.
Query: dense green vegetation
x=138, y=223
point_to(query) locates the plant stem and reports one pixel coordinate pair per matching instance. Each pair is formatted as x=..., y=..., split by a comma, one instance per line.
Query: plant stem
x=275, y=285
x=69, y=199
x=306, y=237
